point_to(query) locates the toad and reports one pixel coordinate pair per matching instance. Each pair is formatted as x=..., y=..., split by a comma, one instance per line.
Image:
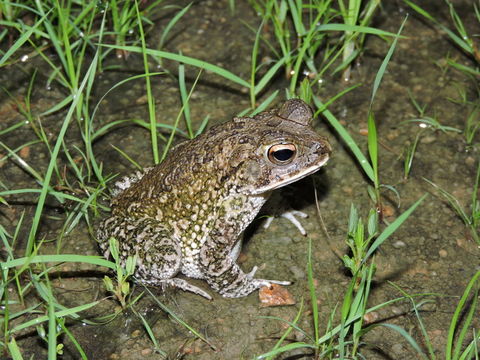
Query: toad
x=187, y=214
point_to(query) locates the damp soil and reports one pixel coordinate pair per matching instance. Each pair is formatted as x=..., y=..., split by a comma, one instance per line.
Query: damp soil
x=432, y=253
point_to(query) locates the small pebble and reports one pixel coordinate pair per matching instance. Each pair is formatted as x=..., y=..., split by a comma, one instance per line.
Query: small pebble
x=443, y=253
x=399, y=244
x=298, y=273
x=363, y=131
x=392, y=135
x=396, y=310
x=370, y=317
x=428, y=139
x=24, y=152
x=388, y=211
x=146, y=352
x=470, y=161
x=397, y=349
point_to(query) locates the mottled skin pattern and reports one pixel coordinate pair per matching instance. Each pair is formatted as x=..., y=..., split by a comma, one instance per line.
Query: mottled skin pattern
x=187, y=214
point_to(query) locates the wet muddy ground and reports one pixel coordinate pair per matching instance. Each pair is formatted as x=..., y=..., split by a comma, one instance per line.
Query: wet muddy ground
x=433, y=252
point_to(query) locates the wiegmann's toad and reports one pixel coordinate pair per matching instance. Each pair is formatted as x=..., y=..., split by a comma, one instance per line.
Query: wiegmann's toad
x=186, y=215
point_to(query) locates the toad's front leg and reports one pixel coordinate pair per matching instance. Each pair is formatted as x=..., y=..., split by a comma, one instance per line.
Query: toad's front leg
x=225, y=276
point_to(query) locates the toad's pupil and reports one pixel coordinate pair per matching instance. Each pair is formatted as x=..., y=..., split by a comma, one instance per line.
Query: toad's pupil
x=283, y=154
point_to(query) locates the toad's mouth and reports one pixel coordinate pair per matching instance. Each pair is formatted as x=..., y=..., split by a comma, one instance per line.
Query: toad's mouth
x=291, y=179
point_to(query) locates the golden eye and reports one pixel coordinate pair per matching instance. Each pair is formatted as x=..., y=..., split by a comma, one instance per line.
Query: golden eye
x=282, y=154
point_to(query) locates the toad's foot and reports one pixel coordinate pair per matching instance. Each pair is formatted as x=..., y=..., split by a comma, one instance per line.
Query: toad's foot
x=185, y=286
x=246, y=284
x=290, y=215
x=263, y=282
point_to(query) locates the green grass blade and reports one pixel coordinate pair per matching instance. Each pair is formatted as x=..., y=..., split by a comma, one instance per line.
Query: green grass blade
x=355, y=28
x=253, y=65
x=74, y=341
x=313, y=295
x=457, y=315
x=58, y=195
x=202, y=126
x=345, y=310
x=22, y=163
x=61, y=313
x=87, y=259
x=67, y=100
x=386, y=60
x=14, y=350
x=52, y=33
x=127, y=157
x=352, y=145
x=476, y=185
x=426, y=338
x=405, y=335
x=150, y=99
x=453, y=201
x=150, y=333
x=52, y=330
x=13, y=127
x=334, y=98
x=22, y=39
x=172, y=23
x=177, y=319
x=121, y=82
x=184, y=97
x=373, y=148
x=269, y=75
x=264, y=105
x=390, y=229
x=296, y=12
x=466, y=324
x=187, y=60
x=175, y=125
x=290, y=328
x=69, y=66
x=289, y=347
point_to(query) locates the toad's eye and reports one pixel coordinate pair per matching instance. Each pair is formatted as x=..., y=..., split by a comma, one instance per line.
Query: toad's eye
x=282, y=154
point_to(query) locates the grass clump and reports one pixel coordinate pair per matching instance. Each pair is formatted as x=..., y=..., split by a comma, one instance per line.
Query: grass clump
x=464, y=39
x=345, y=339
x=461, y=37
x=75, y=33
x=471, y=215
x=310, y=39
x=123, y=274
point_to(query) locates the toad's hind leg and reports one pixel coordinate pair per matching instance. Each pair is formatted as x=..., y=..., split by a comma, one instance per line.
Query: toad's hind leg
x=159, y=256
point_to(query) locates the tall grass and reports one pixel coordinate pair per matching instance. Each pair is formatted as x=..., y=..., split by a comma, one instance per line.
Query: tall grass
x=345, y=339
x=73, y=32
x=309, y=38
